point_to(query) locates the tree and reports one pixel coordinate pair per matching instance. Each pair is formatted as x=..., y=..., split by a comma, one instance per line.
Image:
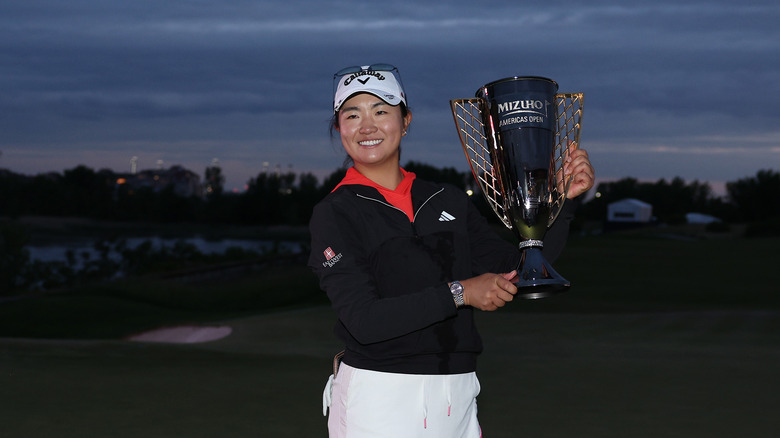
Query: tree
x=215, y=181
x=88, y=193
x=331, y=181
x=671, y=200
x=756, y=197
x=306, y=195
x=13, y=255
x=448, y=175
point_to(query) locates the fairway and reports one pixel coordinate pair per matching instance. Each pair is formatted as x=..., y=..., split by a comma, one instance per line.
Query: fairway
x=603, y=360
x=549, y=375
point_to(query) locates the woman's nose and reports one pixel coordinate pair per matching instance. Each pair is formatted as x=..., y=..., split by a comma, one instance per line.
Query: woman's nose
x=367, y=125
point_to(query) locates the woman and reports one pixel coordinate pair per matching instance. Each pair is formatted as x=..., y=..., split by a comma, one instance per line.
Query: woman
x=402, y=281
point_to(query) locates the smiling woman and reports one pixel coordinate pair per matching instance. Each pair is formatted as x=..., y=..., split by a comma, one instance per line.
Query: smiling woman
x=404, y=263
x=371, y=132
x=386, y=89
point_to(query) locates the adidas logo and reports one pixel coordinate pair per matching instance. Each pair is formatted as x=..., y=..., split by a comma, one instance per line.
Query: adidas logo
x=446, y=217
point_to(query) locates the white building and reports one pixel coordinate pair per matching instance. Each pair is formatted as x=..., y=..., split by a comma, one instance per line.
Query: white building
x=629, y=210
x=700, y=218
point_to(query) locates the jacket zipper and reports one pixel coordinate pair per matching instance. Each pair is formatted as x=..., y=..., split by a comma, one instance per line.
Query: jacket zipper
x=414, y=218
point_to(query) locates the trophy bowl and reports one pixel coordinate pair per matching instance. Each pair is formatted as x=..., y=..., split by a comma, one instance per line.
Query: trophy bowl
x=516, y=134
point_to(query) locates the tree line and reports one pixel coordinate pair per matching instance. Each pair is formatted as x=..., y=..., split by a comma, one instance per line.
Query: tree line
x=270, y=198
x=287, y=198
x=747, y=200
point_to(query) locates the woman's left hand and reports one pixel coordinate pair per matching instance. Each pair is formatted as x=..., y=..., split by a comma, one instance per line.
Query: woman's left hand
x=583, y=176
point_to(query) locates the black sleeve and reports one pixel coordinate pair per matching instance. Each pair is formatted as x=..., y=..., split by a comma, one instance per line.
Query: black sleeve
x=490, y=252
x=342, y=266
x=558, y=234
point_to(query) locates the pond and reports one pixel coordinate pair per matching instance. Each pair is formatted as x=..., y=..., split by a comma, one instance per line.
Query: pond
x=84, y=249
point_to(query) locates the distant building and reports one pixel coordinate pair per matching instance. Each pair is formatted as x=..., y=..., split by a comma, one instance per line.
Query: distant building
x=630, y=210
x=185, y=182
x=700, y=218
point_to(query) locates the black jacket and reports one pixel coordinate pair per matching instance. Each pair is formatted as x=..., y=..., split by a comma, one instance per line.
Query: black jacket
x=387, y=277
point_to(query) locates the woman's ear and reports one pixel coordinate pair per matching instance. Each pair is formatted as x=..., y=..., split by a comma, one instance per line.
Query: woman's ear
x=407, y=120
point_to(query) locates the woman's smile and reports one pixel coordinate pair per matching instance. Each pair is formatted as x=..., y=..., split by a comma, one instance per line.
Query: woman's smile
x=369, y=143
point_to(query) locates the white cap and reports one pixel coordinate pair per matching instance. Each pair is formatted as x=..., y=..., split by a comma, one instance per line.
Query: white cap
x=382, y=84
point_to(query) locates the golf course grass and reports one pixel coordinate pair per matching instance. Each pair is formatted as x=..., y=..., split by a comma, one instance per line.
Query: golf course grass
x=659, y=336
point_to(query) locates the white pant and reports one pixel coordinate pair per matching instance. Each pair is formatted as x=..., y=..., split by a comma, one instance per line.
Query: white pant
x=372, y=404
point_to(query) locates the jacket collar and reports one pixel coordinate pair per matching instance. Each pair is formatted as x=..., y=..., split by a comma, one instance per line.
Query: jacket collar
x=421, y=191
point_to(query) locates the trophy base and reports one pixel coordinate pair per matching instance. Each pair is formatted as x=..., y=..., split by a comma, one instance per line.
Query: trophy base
x=539, y=290
x=537, y=278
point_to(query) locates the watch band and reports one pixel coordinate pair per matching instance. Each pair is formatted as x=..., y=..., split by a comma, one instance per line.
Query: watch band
x=456, y=289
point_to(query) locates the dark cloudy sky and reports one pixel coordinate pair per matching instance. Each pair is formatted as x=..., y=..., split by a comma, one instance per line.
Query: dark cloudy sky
x=672, y=88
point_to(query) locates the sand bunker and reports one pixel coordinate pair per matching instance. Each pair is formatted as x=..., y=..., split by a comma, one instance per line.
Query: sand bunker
x=183, y=334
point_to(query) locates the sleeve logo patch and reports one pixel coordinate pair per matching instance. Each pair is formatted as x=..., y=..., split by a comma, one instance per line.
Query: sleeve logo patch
x=331, y=258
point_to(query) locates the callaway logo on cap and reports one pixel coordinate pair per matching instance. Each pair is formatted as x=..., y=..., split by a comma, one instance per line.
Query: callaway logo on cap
x=381, y=80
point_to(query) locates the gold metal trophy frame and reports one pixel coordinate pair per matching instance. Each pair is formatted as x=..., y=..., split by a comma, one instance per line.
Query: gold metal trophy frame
x=468, y=114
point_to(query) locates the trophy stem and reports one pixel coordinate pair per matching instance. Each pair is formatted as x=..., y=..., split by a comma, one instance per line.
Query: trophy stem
x=537, y=278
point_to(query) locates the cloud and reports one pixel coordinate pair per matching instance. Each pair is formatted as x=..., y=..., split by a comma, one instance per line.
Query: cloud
x=251, y=81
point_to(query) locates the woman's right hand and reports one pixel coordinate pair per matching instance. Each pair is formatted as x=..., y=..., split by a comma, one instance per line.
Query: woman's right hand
x=489, y=291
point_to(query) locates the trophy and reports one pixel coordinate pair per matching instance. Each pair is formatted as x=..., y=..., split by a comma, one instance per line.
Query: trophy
x=516, y=134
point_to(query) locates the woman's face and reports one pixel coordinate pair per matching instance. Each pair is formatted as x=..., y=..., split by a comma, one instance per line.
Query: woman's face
x=371, y=130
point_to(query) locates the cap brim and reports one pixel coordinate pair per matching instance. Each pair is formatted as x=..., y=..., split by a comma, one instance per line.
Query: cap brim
x=390, y=99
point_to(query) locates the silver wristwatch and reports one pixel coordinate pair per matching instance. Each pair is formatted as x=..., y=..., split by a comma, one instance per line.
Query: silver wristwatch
x=457, y=293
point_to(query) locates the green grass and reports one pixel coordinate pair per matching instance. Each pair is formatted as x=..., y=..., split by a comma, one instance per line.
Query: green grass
x=117, y=309
x=647, y=272
x=656, y=338
x=610, y=273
